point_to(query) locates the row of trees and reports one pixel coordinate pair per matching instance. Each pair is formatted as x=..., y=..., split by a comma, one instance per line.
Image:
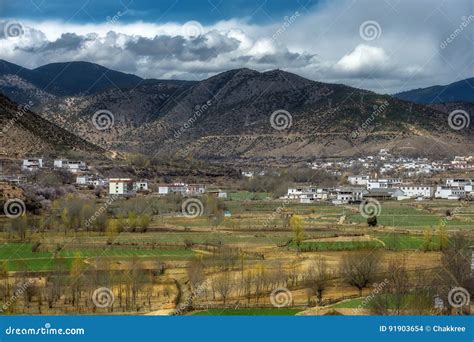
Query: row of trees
x=71, y=289
x=400, y=288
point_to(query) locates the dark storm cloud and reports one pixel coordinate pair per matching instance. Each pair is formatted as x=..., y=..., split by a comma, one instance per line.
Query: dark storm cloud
x=67, y=41
x=163, y=47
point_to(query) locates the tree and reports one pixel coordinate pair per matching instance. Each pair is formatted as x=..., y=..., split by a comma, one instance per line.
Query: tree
x=223, y=285
x=427, y=239
x=318, y=277
x=372, y=221
x=456, y=261
x=195, y=271
x=443, y=237
x=19, y=225
x=359, y=269
x=76, y=273
x=394, y=289
x=112, y=231
x=296, y=225
x=143, y=222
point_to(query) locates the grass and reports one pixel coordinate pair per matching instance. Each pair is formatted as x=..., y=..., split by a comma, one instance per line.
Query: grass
x=404, y=241
x=19, y=257
x=248, y=312
x=396, y=215
x=389, y=299
x=337, y=245
x=349, y=304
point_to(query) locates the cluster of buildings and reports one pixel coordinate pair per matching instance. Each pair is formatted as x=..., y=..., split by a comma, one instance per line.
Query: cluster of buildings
x=363, y=187
x=35, y=164
x=384, y=162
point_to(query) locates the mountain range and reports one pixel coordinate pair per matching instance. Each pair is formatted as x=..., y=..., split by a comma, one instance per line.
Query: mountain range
x=461, y=91
x=240, y=114
x=26, y=134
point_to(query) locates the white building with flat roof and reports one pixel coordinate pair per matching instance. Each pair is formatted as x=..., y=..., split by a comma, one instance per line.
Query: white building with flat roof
x=182, y=188
x=121, y=186
x=70, y=165
x=447, y=192
x=140, y=186
x=386, y=183
x=415, y=191
x=32, y=164
x=358, y=180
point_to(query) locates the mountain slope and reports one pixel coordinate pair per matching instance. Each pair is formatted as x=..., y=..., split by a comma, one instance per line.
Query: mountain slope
x=229, y=117
x=25, y=134
x=326, y=119
x=462, y=91
x=72, y=78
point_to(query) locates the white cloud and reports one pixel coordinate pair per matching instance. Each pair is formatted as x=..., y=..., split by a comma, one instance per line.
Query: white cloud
x=364, y=59
x=323, y=44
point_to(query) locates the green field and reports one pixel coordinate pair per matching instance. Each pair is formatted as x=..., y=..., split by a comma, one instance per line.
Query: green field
x=19, y=257
x=395, y=215
x=337, y=245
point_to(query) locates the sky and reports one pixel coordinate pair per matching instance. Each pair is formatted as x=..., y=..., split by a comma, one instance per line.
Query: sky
x=386, y=46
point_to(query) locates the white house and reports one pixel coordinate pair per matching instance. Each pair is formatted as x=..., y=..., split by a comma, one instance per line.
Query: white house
x=459, y=181
x=301, y=191
x=384, y=183
x=140, y=186
x=358, y=180
x=120, y=186
x=182, y=189
x=32, y=164
x=446, y=192
x=248, y=174
x=414, y=191
x=70, y=165
x=84, y=180
x=349, y=195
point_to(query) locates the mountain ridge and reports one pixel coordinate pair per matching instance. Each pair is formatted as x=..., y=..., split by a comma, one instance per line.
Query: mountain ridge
x=460, y=91
x=228, y=116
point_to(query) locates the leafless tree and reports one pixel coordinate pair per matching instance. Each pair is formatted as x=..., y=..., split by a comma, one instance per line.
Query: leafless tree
x=195, y=271
x=359, y=269
x=318, y=276
x=223, y=285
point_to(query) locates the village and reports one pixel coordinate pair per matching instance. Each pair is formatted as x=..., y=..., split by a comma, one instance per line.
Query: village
x=382, y=177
